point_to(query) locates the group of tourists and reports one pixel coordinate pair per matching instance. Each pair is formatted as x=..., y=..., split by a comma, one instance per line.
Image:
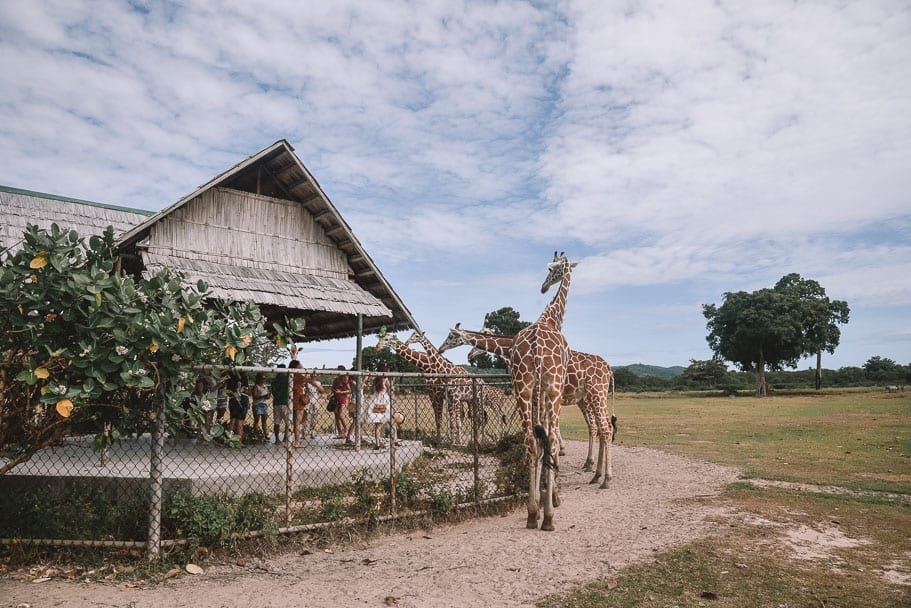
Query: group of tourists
x=295, y=404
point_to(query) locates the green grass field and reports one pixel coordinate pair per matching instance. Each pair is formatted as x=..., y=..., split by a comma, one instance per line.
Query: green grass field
x=857, y=440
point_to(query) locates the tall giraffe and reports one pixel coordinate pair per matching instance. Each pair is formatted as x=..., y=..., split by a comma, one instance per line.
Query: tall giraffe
x=460, y=391
x=537, y=364
x=589, y=384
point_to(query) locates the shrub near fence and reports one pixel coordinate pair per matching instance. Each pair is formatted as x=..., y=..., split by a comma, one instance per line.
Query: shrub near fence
x=213, y=493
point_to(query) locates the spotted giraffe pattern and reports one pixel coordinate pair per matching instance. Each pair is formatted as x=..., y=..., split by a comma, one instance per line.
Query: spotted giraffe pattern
x=589, y=384
x=460, y=391
x=537, y=364
x=436, y=386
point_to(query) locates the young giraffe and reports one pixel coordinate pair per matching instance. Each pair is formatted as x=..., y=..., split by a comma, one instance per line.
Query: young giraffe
x=437, y=387
x=460, y=390
x=589, y=384
x=537, y=364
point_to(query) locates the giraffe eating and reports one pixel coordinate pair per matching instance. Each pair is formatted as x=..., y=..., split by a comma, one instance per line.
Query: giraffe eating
x=589, y=384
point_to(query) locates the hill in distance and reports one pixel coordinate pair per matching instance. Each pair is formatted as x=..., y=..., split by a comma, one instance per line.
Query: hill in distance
x=640, y=369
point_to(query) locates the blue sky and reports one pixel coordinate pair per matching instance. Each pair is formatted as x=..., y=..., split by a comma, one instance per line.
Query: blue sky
x=676, y=150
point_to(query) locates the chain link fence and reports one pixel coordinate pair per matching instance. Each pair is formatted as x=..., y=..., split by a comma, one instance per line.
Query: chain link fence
x=152, y=488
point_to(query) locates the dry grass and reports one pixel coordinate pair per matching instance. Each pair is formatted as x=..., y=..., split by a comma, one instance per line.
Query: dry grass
x=778, y=547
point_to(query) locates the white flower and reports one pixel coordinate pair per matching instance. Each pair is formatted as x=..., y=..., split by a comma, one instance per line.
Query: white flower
x=28, y=280
x=121, y=350
x=175, y=358
x=60, y=390
x=142, y=297
x=204, y=327
x=33, y=313
x=140, y=372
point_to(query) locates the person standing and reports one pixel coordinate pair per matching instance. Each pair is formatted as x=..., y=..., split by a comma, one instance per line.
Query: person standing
x=299, y=399
x=260, y=394
x=314, y=390
x=341, y=390
x=238, y=403
x=280, y=396
x=376, y=409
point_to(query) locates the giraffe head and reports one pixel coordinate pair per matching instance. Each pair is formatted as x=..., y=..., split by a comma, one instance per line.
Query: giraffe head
x=557, y=270
x=385, y=340
x=414, y=338
x=454, y=339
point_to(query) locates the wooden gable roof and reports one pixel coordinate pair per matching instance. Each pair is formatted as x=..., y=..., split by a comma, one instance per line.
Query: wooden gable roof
x=265, y=231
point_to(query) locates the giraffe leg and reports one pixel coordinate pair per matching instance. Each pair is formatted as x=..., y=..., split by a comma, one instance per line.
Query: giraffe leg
x=590, y=423
x=599, y=471
x=550, y=488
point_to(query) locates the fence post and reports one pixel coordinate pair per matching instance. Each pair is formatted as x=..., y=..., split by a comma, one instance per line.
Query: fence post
x=155, y=480
x=393, y=436
x=475, y=413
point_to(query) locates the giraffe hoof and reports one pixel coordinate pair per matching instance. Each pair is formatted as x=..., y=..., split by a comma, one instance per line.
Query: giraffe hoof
x=547, y=525
x=532, y=523
x=604, y=485
x=595, y=479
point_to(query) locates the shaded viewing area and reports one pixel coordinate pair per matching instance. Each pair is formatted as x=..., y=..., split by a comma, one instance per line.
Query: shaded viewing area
x=265, y=232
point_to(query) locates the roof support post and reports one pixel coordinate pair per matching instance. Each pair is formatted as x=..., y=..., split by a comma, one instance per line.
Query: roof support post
x=358, y=382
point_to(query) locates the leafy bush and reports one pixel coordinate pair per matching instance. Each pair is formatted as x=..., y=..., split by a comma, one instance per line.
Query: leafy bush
x=217, y=519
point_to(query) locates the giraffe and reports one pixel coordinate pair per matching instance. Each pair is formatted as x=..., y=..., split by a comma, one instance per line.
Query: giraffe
x=460, y=391
x=589, y=384
x=537, y=364
x=436, y=387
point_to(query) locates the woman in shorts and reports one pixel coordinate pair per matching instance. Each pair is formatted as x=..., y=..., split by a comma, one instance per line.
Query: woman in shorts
x=260, y=395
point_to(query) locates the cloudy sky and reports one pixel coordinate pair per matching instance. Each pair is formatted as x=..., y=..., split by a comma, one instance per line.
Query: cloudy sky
x=676, y=150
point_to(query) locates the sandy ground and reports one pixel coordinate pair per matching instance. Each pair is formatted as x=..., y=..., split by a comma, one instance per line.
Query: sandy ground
x=655, y=501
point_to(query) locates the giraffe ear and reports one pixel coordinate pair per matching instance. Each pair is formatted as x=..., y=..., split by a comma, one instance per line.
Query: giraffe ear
x=574, y=264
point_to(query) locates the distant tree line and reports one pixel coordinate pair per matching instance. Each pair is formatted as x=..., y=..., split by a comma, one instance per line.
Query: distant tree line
x=713, y=375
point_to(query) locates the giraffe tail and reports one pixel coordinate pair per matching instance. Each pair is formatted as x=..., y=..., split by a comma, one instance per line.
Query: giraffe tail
x=544, y=446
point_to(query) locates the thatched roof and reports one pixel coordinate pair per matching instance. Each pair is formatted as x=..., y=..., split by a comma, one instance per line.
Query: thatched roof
x=265, y=231
x=21, y=207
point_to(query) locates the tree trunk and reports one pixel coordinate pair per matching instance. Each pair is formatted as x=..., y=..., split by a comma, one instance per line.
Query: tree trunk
x=818, y=369
x=762, y=388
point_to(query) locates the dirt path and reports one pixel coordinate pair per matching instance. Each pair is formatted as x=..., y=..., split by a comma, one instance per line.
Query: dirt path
x=654, y=503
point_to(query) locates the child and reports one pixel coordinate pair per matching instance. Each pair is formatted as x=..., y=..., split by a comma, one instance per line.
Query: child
x=260, y=394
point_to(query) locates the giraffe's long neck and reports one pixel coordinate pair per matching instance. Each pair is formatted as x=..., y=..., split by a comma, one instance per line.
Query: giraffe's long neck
x=444, y=365
x=556, y=310
x=422, y=360
x=498, y=345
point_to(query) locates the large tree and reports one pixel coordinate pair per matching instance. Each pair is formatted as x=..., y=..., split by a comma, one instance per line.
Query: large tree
x=774, y=328
x=84, y=348
x=821, y=316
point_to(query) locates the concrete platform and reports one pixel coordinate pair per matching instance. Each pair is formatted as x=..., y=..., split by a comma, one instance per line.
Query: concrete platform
x=206, y=469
